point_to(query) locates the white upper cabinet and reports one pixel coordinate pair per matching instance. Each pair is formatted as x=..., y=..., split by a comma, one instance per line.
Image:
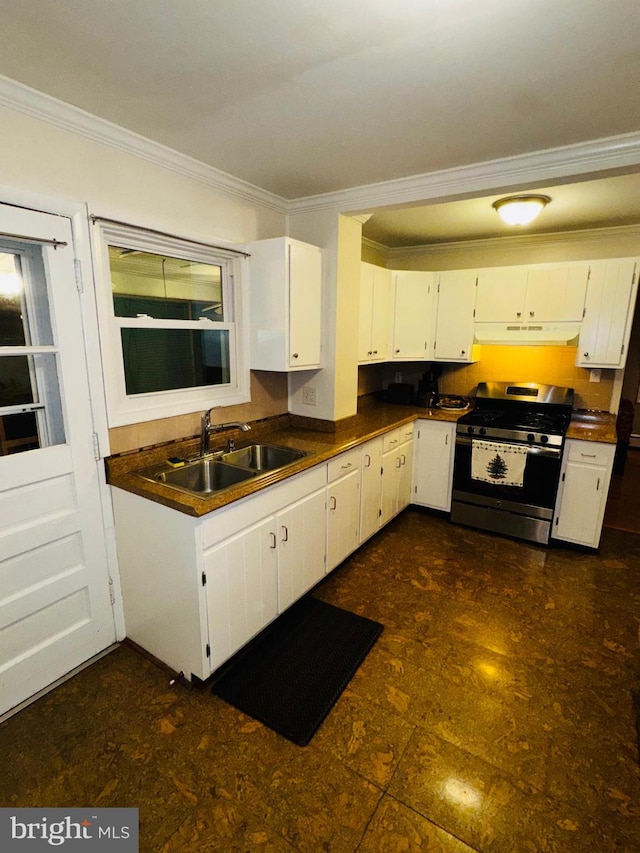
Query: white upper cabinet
x=456, y=295
x=286, y=296
x=376, y=308
x=413, y=315
x=608, y=313
x=500, y=295
x=532, y=294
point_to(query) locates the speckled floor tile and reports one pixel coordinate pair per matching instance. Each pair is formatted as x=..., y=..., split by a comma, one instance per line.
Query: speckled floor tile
x=494, y=713
x=398, y=829
x=219, y=824
x=365, y=737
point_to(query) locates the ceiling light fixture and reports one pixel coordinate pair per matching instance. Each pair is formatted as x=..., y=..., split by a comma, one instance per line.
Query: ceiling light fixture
x=520, y=209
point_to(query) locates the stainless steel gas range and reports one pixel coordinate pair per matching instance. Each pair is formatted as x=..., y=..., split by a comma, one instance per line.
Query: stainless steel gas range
x=508, y=455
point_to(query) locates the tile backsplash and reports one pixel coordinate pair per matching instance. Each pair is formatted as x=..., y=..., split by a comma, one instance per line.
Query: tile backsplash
x=553, y=365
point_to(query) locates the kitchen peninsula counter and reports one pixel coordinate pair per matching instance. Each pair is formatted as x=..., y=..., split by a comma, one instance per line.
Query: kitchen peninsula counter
x=593, y=426
x=319, y=445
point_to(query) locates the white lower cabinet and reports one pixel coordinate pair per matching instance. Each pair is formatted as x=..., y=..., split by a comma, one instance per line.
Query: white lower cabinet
x=300, y=536
x=370, y=487
x=195, y=590
x=582, y=495
x=433, y=464
x=397, y=467
x=343, y=507
x=241, y=589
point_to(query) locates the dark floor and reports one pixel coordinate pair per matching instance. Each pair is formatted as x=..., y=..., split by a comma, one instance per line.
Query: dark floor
x=495, y=713
x=623, y=502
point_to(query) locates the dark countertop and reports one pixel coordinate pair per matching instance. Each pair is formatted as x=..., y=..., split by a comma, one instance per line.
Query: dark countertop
x=593, y=426
x=373, y=420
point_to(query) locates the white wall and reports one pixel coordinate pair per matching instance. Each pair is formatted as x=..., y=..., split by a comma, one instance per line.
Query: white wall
x=42, y=158
x=336, y=384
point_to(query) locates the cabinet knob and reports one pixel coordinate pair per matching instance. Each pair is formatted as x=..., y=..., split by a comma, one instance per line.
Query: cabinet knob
x=397, y=350
x=463, y=352
x=375, y=352
x=295, y=355
x=586, y=355
x=518, y=313
x=532, y=313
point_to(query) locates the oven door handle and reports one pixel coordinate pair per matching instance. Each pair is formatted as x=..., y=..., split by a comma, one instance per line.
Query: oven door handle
x=535, y=449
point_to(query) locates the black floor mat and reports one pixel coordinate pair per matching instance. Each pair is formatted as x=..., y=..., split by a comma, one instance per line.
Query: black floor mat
x=295, y=670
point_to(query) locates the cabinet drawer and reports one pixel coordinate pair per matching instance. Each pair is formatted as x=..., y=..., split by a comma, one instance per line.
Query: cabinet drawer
x=343, y=464
x=390, y=440
x=591, y=452
x=406, y=433
x=234, y=518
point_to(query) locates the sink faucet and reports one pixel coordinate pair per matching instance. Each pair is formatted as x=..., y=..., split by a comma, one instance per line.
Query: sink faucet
x=207, y=428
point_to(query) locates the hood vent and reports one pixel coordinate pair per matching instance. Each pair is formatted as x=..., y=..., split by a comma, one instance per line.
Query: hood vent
x=531, y=333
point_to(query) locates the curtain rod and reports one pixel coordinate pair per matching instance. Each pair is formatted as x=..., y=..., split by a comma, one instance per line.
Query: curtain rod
x=95, y=219
x=43, y=240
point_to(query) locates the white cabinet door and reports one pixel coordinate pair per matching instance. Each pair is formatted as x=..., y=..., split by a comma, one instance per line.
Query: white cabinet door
x=556, y=292
x=501, y=294
x=343, y=518
x=538, y=293
x=365, y=349
x=582, y=496
x=456, y=296
x=375, y=313
x=301, y=547
x=413, y=315
x=286, y=297
x=433, y=464
x=305, y=301
x=370, y=488
x=242, y=589
x=381, y=314
x=397, y=468
x=608, y=313
x=405, y=474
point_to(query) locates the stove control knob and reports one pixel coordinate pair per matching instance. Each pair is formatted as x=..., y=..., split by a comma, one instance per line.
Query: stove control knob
x=470, y=429
x=482, y=431
x=544, y=439
x=531, y=437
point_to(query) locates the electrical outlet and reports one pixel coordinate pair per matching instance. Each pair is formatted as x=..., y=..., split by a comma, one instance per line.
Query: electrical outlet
x=398, y=377
x=309, y=397
x=595, y=375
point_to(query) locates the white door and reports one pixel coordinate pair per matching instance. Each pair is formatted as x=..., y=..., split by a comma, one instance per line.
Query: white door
x=55, y=608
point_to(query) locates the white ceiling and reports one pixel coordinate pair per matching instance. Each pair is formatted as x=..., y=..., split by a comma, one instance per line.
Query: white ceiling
x=303, y=98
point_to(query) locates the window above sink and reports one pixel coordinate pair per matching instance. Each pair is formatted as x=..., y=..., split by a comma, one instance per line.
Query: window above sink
x=172, y=328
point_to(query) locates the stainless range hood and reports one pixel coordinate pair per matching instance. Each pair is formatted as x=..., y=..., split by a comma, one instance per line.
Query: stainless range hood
x=537, y=334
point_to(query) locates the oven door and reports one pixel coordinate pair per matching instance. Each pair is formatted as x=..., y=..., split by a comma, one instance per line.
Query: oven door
x=525, y=511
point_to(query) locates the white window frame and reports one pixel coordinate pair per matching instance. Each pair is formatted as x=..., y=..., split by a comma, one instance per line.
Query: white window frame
x=124, y=409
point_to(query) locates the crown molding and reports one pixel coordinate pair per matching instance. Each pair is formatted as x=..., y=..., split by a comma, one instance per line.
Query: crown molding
x=510, y=173
x=557, y=238
x=23, y=99
x=504, y=175
x=368, y=243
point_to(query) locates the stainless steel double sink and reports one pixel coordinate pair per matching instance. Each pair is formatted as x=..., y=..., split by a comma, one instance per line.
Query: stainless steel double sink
x=223, y=469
